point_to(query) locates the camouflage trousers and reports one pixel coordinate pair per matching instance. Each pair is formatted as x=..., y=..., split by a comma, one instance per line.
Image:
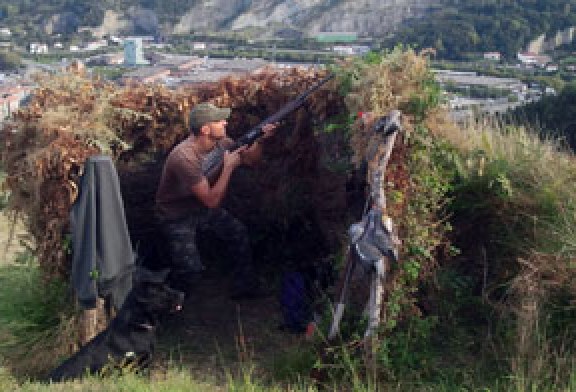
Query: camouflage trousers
x=182, y=243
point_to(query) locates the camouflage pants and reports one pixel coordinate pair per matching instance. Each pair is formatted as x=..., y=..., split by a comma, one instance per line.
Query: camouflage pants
x=183, y=247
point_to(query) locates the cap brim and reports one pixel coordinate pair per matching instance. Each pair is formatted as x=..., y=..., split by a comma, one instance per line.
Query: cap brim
x=224, y=113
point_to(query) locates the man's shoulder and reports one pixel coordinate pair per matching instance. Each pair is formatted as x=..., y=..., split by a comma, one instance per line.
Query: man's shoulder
x=184, y=150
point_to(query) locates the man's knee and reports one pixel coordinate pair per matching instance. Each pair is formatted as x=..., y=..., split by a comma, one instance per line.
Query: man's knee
x=183, y=250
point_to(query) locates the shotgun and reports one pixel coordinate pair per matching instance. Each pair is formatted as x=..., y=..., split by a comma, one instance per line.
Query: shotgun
x=212, y=162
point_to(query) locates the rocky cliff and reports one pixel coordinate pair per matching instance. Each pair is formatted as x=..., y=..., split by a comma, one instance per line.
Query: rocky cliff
x=365, y=17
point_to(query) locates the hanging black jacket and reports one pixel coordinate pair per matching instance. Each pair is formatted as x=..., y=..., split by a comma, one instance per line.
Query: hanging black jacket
x=103, y=258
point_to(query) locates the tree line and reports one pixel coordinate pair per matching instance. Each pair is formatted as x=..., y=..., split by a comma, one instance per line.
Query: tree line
x=460, y=29
x=553, y=115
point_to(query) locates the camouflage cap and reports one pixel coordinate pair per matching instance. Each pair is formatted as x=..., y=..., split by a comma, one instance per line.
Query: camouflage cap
x=206, y=112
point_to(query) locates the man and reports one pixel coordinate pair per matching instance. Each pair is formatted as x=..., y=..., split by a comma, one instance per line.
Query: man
x=188, y=199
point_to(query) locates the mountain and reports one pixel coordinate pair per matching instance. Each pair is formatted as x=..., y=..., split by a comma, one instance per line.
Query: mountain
x=366, y=17
x=455, y=28
x=374, y=18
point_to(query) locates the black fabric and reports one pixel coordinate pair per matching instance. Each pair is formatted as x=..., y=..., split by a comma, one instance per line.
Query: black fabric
x=130, y=337
x=103, y=258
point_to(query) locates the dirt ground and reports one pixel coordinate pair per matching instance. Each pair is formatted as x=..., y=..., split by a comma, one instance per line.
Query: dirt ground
x=10, y=245
x=214, y=336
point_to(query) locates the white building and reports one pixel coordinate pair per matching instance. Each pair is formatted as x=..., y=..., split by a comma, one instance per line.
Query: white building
x=529, y=58
x=552, y=68
x=351, y=50
x=95, y=45
x=10, y=99
x=133, y=54
x=199, y=46
x=550, y=91
x=35, y=47
x=494, y=56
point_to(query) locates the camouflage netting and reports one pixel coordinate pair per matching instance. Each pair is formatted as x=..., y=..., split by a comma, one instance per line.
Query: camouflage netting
x=297, y=203
x=71, y=117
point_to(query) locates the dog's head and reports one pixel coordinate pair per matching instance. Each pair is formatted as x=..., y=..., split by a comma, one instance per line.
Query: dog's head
x=151, y=291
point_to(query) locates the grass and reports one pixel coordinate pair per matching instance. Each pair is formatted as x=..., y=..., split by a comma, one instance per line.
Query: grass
x=174, y=380
x=35, y=328
x=513, y=210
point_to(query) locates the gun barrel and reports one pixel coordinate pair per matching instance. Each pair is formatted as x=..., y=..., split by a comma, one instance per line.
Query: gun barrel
x=295, y=103
x=256, y=132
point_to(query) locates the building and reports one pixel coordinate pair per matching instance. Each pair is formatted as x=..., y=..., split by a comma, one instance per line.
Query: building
x=95, y=45
x=106, y=59
x=493, y=56
x=529, y=58
x=35, y=47
x=550, y=91
x=552, y=68
x=237, y=65
x=180, y=63
x=199, y=46
x=146, y=75
x=11, y=97
x=351, y=50
x=133, y=54
x=336, y=37
x=470, y=79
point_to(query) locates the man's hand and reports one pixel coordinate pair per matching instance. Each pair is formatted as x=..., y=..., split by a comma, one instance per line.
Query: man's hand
x=232, y=159
x=269, y=130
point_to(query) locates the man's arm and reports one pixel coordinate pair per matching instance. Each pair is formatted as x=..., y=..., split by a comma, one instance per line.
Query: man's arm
x=211, y=196
x=253, y=154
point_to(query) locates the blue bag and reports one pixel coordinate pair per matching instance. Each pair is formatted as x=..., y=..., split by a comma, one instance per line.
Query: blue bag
x=295, y=302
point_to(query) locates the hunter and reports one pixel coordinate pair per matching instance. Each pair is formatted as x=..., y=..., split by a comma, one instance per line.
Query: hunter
x=187, y=199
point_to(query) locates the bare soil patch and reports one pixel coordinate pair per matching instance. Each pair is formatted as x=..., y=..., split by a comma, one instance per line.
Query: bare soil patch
x=214, y=336
x=10, y=238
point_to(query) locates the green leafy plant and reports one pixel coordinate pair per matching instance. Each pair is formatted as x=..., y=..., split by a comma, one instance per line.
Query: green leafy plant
x=33, y=318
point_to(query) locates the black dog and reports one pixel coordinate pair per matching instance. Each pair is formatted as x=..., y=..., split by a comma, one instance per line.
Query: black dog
x=130, y=337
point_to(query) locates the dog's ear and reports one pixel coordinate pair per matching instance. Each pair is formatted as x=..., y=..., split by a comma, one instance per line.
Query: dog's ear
x=148, y=276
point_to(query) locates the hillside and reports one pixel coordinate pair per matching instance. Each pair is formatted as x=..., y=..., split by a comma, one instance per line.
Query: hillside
x=454, y=28
x=459, y=29
x=366, y=17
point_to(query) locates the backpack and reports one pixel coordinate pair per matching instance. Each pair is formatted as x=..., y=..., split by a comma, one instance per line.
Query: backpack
x=295, y=302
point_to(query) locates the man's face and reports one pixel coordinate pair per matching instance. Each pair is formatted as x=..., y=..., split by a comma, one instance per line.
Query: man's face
x=218, y=129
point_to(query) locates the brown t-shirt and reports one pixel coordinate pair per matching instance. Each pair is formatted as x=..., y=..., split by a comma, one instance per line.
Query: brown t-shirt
x=182, y=170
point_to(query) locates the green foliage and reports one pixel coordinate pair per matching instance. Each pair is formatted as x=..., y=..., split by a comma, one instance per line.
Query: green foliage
x=457, y=28
x=31, y=312
x=409, y=352
x=427, y=98
x=555, y=115
x=512, y=207
x=292, y=364
x=511, y=170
